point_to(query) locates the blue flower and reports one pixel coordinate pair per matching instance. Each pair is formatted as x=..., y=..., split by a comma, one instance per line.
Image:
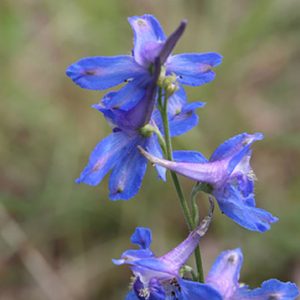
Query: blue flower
x=100, y=73
x=118, y=152
x=224, y=276
x=229, y=174
x=157, y=278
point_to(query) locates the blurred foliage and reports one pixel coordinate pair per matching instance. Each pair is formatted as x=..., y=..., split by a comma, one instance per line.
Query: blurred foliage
x=48, y=129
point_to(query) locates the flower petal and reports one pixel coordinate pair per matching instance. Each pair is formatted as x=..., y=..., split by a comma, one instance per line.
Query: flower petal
x=104, y=157
x=185, y=120
x=131, y=296
x=270, y=289
x=182, y=116
x=130, y=256
x=153, y=264
x=235, y=206
x=148, y=38
x=191, y=290
x=154, y=148
x=142, y=237
x=171, y=41
x=210, y=172
x=127, y=175
x=189, y=156
x=234, y=145
x=177, y=101
x=193, y=68
x=100, y=72
x=225, y=272
x=128, y=96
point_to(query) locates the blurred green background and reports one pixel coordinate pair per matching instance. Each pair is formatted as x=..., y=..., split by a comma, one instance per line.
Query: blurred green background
x=57, y=238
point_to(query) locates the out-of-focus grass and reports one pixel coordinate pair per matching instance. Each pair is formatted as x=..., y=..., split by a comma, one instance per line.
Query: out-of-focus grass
x=48, y=129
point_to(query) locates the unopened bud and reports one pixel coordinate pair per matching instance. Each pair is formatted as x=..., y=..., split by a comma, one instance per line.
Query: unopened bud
x=170, y=85
x=185, y=269
x=147, y=130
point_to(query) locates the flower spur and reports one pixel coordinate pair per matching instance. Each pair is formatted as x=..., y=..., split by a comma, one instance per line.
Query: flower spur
x=230, y=178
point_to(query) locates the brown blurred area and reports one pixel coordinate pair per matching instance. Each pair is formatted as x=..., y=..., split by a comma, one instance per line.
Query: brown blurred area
x=57, y=238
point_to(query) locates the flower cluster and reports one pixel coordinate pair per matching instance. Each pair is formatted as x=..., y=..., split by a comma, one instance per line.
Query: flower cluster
x=148, y=110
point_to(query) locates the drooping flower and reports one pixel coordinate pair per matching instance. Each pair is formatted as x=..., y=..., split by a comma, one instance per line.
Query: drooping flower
x=118, y=152
x=100, y=72
x=229, y=174
x=224, y=276
x=158, y=278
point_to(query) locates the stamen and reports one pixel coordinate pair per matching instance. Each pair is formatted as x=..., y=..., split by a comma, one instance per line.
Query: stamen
x=145, y=293
x=251, y=175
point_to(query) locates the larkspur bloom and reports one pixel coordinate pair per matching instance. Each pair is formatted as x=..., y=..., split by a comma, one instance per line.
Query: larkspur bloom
x=224, y=276
x=100, y=72
x=229, y=174
x=118, y=152
x=158, y=278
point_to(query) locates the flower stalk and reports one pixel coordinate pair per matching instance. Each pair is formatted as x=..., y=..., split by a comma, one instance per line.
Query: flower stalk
x=190, y=221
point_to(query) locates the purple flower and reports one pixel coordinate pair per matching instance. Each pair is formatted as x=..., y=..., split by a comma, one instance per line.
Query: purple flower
x=224, y=276
x=158, y=278
x=229, y=174
x=100, y=73
x=118, y=152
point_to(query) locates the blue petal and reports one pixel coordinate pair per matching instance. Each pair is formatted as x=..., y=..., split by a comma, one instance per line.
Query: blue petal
x=209, y=172
x=194, y=68
x=156, y=120
x=142, y=237
x=153, y=264
x=176, y=102
x=234, y=145
x=133, y=255
x=127, y=175
x=100, y=72
x=182, y=116
x=131, y=296
x=148, y=38
x=189, y=156
x=235, y=206
x=104, y=157
x=270, y=289
x=128, y=96
x=225, y=272
x=154, y=148
x=185, y=120
x=157, y=294
x=171, y=41
x=197, y=291
x=109, y=114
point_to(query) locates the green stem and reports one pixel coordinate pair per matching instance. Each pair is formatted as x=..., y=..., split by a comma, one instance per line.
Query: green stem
x=163, y=106
x=183, y=202
x=199, y=264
